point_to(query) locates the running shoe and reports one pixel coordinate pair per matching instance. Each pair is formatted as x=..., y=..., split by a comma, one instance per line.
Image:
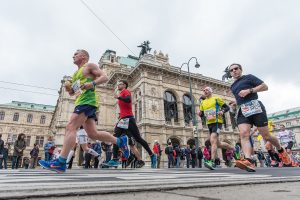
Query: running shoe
x=153, y=160
x=112, y=163
x=130, y=160
x=285, y=158
x=209, y=164
x=139, y=164
x=53, y=165
x=122, y=142
x=245, y=164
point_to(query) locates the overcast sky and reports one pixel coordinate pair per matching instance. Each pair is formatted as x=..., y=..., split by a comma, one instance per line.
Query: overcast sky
x=38, y=39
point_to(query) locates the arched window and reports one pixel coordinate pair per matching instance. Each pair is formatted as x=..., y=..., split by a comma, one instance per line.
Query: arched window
x=29, y=118
x=187, y=108
x=43, y=119
x=170, y=106
x=16, y=117
x=2, y=115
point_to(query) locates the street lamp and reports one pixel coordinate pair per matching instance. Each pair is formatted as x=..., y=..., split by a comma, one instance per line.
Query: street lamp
x=194, y=121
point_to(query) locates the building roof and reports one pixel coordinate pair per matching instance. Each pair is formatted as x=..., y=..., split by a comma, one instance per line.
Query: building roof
x=288, y=113
x=128, y=61
x=27, y=105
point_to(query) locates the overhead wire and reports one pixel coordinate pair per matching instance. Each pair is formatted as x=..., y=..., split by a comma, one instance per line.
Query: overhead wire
x=100, y=20
x=28, y=91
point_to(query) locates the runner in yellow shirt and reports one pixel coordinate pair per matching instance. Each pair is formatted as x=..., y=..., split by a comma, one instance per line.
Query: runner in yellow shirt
x=213, y=108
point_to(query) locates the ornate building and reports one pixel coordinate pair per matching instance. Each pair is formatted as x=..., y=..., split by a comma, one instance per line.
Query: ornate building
x=160, y=97
x=291, y=119
x=31, y=119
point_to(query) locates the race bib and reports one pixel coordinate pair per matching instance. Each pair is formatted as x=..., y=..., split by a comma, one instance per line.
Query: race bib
x=251, y=108
x=123, y=123
x=210, y=114
x=76, y=88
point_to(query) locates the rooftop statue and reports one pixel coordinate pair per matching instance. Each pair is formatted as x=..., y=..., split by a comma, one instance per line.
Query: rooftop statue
x=145, y=48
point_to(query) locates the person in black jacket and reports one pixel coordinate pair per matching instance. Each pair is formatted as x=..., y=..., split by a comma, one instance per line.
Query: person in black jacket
x=199, y=157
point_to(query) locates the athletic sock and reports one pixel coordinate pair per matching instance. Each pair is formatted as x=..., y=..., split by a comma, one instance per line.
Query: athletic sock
x=92, y=152
x=71, y=153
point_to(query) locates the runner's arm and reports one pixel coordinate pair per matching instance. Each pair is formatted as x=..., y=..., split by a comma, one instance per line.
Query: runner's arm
x=126, y=99
x=98, y=75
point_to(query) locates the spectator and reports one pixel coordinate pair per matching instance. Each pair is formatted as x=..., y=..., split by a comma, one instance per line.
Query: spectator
x=194, y=156
x=19, y=147
x=4, y=157
x=34, y=154
x=1, y=150
x=106, y=147
x=56, y=154
x=188, y=156
x=177, y=155
x=157, y=150
x=206, y=150
x=200, y=157
x=169, y=153
x=49, y=148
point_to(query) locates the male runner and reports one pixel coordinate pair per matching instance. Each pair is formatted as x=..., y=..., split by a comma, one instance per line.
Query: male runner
x=251, y=112
x=84, y=82
x=127, y=125
x=286, y=138
x=213, y=108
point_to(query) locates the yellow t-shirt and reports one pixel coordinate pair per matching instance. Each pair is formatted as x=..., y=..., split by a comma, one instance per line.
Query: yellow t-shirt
x=208, y=106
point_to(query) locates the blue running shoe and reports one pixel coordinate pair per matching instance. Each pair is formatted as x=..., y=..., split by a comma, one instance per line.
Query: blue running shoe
x=53, y=165
x=112, y=163
x=123, y=145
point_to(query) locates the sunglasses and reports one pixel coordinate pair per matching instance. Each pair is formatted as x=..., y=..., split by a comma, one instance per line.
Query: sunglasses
x=234, y=69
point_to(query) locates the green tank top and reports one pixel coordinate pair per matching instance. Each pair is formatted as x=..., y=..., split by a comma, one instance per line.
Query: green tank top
x=83, y=97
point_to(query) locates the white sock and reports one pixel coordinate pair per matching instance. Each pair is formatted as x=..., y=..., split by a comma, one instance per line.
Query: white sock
x=71, y=153
x=93, y=152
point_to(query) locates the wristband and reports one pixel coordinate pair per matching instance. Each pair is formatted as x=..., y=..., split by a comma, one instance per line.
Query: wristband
x=94, y=83
x=251, y=90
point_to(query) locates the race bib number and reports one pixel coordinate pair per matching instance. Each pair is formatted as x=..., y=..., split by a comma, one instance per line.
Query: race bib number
x=76, y=88
x=251, y=108
x=210, y=114
x=123, y=123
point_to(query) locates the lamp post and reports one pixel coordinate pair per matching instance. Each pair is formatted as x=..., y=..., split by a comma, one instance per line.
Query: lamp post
x=194, y=121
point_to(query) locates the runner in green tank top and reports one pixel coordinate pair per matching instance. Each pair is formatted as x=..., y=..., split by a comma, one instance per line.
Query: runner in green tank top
x=83, y=86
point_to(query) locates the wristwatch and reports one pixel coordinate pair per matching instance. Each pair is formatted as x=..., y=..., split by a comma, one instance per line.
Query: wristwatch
x=251, y=90
x=94, y=83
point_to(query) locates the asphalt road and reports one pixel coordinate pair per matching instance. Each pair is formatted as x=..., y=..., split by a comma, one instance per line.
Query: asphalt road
x=41, y=183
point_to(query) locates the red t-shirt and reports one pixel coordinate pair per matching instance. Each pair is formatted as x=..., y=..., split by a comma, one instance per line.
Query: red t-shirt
x=125, y=108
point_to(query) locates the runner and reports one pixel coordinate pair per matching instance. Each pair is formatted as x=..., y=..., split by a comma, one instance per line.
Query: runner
x=82, y=140
x=127, y=125
x=83, y=86
x=251, y=112
x=286, y=138
x=213, y=108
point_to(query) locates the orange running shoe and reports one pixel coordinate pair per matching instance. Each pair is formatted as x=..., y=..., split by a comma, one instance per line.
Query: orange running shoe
x=285, y=158
x=244, y=164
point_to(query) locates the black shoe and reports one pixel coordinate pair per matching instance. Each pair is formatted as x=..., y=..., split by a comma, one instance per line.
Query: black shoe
x=139, y=164
x=130, y=160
